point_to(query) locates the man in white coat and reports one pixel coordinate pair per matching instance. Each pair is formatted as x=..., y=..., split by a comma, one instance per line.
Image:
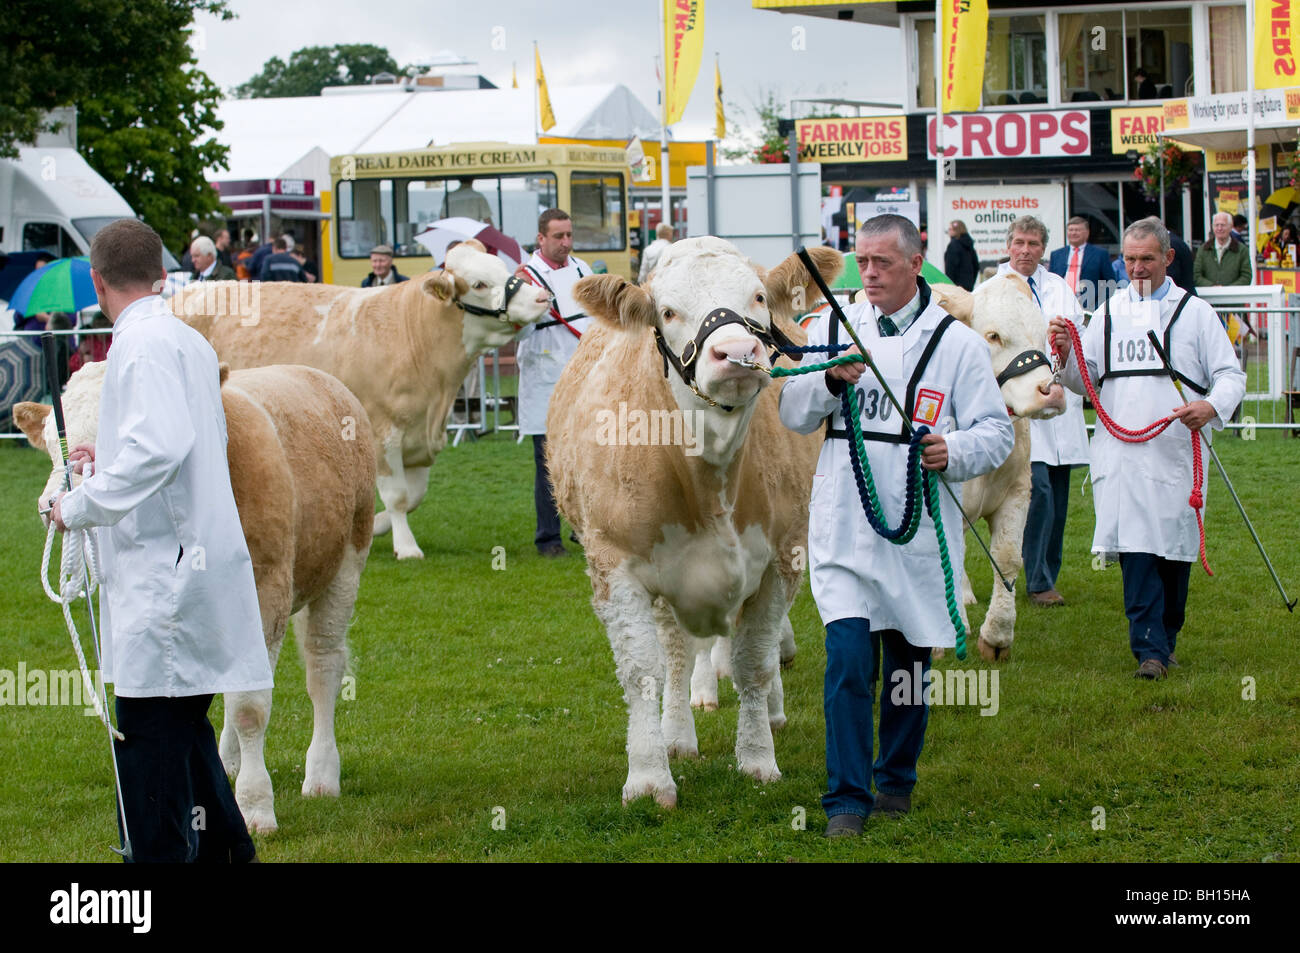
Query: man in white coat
x=179, y=611
x=654, y=251
x=544, y=348
x=1057, y=444
x=872, y=594
x=1141, y=490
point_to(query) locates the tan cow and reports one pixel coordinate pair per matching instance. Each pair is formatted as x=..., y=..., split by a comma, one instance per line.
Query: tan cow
x=690, y=496
x=304, y=482
x=403, y=349
x=1003, y=312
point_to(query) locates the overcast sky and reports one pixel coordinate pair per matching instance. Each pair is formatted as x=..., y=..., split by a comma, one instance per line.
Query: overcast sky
x=580, y=43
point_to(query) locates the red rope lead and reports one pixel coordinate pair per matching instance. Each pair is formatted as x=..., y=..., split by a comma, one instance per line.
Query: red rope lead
x=1196, y=501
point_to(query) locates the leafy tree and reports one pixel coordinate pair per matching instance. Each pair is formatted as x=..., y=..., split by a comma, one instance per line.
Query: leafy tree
x=765, y=142
x=312, y=68
x=143, y=109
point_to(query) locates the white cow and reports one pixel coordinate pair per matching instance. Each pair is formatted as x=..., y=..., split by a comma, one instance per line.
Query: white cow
x=403, y=350
x=1003, y=312
x=298, y=444
x=690, y=496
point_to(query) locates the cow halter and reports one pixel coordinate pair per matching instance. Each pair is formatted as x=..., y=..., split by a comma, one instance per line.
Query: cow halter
x=513, y=284
x=1023, y=363
x=773, y=338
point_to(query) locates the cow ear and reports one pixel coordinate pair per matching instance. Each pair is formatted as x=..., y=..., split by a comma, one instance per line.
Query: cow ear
x=30, y=419
x=791, y=290
x=958, y=302
x=444, y=285
x=616, y=300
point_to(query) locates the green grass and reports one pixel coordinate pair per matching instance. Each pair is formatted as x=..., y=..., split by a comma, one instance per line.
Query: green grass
x=478, y=689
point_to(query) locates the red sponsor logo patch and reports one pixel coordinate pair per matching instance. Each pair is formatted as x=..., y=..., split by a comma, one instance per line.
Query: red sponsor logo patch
x=929, y=404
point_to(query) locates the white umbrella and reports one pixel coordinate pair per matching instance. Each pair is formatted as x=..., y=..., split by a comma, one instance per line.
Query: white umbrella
x=443, y=232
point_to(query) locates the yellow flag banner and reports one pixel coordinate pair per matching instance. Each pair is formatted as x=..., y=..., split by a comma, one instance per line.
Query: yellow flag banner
x=683, y=48
x=1277, y=32
x=720, y=117
x=543, y=97
x=965, y=37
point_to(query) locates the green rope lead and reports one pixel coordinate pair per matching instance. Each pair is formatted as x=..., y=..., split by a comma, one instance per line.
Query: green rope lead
x=917, y=475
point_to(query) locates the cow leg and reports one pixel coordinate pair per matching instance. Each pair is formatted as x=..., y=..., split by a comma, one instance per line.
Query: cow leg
x=1006, y=531
x=968, y=597
x=322, y=630
x=754, y=664
x=394, y=491
x=721, y=656
x=704, y=678
x=787, y=642
x=629, y=622
x=776, y=696
x=677, y=724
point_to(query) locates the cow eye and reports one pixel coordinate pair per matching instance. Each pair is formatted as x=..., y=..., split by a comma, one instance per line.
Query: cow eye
x=760, y=298
x=993, y=338
x=670, y=314
x=480, y=285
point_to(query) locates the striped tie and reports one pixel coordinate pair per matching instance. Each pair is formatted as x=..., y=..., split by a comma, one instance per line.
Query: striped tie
x=888, y=328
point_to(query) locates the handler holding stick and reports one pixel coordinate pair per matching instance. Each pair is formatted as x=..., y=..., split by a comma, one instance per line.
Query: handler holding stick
x=178, y=603
x=1143, y=486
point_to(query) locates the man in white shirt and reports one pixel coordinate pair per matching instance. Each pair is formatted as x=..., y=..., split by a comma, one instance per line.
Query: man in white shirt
x=1055, y=445
x=544, y=348
x=650, y=257
x=179, y=603
x=1141, y=490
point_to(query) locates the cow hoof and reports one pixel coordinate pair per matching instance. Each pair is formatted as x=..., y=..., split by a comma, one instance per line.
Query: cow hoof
x=664, y=794
x=776, y=722
x=319, y=789
x=994, y=653
x=682, y=749
x=761, y=771
x=409, y=552
x=259, y=820
x=937, y=653
x=705, y=705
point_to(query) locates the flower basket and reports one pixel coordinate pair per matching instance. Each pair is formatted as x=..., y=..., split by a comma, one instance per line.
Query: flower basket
x=1179, y=167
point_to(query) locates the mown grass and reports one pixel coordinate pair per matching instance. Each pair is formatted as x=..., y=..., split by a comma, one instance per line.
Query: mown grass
x=479, y=690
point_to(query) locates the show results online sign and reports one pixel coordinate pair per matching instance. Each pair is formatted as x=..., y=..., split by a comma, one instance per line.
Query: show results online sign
x=987, y=211
x=863, y=139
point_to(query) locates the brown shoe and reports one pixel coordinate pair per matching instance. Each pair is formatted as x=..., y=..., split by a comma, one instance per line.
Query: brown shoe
x=1150, y=669
x=1048, y=599
x=844, y=825
x=891, y=805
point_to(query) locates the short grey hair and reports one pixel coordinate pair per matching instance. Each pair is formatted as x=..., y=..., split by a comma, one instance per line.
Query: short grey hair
x=1027, y=225
x=202, y=246
x=908, y=238
x=1216, y=216
x=1147, y=228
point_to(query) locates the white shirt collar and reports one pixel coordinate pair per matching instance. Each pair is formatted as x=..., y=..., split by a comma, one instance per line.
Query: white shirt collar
x=208, y=270
x=139, y=310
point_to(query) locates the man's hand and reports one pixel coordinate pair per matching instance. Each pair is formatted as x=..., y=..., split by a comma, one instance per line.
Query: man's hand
x=1058, y=335
x=81, y=453
x=1196, y=414
x=934, y=452
x=56, y=513
x=849, y=373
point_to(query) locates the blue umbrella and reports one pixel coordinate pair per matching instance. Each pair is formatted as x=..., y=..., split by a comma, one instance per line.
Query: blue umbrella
x=62, y=285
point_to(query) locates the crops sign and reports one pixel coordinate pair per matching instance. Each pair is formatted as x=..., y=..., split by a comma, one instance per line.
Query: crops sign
x=1014, y=135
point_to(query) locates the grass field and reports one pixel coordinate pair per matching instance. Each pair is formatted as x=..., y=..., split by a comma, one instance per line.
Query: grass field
x=483, y=695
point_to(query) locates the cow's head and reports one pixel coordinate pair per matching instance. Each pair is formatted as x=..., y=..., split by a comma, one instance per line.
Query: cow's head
x=709, y=307
x=80, y=416
x=496, y=304
x=1003, y=312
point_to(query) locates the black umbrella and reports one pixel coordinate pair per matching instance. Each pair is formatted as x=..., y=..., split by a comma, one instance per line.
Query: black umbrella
x=21, y=376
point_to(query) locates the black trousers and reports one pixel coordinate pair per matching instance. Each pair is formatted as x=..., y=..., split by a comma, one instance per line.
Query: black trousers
x=178, y=802
x=1155, y=601
x=548, y=517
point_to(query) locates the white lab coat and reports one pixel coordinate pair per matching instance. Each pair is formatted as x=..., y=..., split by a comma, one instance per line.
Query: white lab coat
x=1062, y=440
x=543, y=353
x=650, y=258
x=1141, y=489
x=178, y=604
x=855, y=572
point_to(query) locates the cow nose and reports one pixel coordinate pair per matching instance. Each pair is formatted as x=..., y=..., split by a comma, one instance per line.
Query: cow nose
x=543, y=296
x=745, y=349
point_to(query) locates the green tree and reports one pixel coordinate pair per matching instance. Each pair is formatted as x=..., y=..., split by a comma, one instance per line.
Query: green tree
x=312, y=68
x=762, y=142
x=144, y=112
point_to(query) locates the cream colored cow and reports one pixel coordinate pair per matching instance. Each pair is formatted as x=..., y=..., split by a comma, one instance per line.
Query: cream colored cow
x=1003, y=312
x=403, y=350
x=690, y=496
x=303, y=476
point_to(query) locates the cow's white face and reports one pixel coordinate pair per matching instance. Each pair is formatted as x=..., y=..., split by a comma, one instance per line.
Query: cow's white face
x=694, y=278
x=80, y=415
x=1005, y=315
x=479, y=280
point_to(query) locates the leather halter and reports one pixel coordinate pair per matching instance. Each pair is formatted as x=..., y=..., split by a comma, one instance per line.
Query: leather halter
x=1023, y=363
x=513, y=285
x=774, y=339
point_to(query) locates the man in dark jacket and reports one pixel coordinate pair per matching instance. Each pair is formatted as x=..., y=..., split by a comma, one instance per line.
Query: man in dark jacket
x=1085, y=267
x=281, y=266
x=207, y=265
x=1222, y=260
x=960, y=261
x=382, y=271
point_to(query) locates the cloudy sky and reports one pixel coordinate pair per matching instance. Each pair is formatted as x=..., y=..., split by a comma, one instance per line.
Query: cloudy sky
x=580, y=43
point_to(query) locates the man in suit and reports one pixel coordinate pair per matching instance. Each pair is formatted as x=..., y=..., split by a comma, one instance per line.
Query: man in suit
x=207, y=266
x=1085, y=268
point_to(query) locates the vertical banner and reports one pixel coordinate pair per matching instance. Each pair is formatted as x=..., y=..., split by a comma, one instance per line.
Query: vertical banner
x=720, y=116
x=1277, y=30
x=683, y=48
x=965, y=38
x=543, y=97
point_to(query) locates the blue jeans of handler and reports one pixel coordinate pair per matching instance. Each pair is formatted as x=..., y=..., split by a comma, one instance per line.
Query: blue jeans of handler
x=1155, y=601
x=853, y=654
x=1045, y=526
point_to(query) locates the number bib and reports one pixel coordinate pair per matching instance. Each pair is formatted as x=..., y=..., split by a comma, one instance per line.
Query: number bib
x=878, y=414
x=1129, y=348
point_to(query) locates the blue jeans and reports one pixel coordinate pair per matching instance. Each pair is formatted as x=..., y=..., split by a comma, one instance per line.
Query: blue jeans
x=1045, y=526
x=853, y=653
x=1155, y=601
